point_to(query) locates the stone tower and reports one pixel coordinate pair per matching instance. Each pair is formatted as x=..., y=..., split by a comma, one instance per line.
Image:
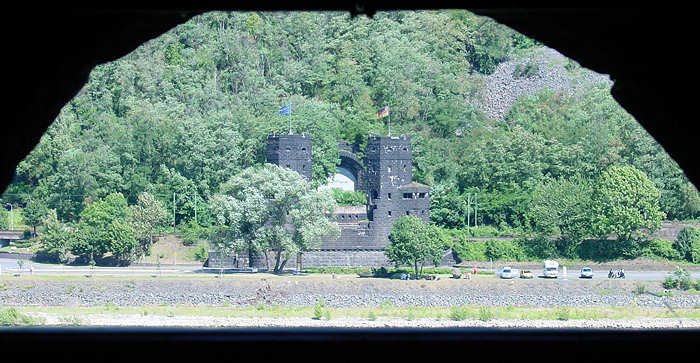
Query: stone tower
x=291, y=152
x=390, y=183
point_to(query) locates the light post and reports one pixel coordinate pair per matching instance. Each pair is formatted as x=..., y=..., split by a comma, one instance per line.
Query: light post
x=12, y=217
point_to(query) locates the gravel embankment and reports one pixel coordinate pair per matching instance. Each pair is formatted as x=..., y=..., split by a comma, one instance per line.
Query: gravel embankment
x=501, y=88
x=343, y=291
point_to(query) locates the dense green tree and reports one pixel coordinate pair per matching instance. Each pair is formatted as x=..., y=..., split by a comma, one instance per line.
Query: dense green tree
x=413, y=242
x=625, y=202
x=55, y=241
x=4, y=218
x=271, y=209
x=447, y=208
x=104, y=228
x=34, y=212
x=561, y=207
x=148, y=216
x=688, y=244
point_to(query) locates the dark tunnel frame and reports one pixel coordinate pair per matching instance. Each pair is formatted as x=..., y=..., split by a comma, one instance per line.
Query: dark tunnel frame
x=610, y=41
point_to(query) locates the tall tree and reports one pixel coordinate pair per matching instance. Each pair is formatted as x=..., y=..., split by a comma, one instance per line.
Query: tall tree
x=414, y=243
x=147, y=217
x=561, y=207
x=272, y=209
x=625, y=202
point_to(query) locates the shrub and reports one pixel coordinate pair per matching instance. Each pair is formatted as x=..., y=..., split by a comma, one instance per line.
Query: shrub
x=669, y=283
x=688, y=244
x=459, y=313
x=348, y=198
x=563, y=313
x=484, y=231
x=659, y=248
x=192, y=233
x=679, y=278
x=201, y=254
x=12, y=317
x=504, y=250
x=318, y=309
x=470, y=251
x=372, y=316
x=485, y=314
x=525, y=70
x=640, y=289
x=539, y=248
x=598, y=250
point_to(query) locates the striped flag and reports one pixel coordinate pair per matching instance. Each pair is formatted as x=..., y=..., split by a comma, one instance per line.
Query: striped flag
x=383, y=112
x=286, y=110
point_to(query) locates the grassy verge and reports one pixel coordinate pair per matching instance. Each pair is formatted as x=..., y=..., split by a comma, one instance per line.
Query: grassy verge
x=385, y=310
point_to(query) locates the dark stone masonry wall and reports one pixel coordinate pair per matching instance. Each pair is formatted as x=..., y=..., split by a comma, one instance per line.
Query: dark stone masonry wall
x=320, y=258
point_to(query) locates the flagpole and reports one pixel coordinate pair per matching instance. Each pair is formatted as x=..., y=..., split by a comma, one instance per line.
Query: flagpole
x=290, y=118
x=389, y=112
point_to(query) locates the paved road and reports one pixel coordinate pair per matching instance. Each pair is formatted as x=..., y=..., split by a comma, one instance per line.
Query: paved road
x=9, y=266
x=629, y=275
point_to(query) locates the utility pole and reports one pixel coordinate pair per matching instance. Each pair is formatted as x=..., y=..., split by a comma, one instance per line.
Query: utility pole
x=12, y=218
x=173, y=212
x=195, y=207
x=469, y=209
x=476, y=208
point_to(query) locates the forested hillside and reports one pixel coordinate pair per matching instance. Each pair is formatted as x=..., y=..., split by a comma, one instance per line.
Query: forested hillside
x=186, y=111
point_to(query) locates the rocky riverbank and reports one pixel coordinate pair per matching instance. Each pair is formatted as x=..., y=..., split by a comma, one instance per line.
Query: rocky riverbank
x=341, y=291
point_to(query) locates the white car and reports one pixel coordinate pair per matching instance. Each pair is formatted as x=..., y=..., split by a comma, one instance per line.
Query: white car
x=586, y=273
x=507, y=273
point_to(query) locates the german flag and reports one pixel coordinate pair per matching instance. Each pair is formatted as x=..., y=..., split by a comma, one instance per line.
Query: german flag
x=383, y=112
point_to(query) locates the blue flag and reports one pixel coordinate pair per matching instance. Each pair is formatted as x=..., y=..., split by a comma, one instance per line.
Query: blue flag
x=286, y=110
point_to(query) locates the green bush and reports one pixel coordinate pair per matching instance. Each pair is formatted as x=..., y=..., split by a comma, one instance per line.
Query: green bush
x=201, y=254
x=688, y=244
x=660, y=248
x=485, y=314
x=192, y=233
x=669, y=283
x=504, y=250
x=470, y=251
x=598, y=250
x=525, y=70
x=640, y=289
x=484, y=231
x=563, y=313
x=318, y=309
x=459, y=313
x=347, y=198
x=679, y=279
x=12, y=317
x=538, y=248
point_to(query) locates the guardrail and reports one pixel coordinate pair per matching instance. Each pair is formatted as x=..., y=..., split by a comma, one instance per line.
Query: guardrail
x=17, y=255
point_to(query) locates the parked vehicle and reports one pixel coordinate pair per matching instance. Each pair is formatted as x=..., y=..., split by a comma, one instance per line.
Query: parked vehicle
x=586, y=273
x=507, y=273
x=551, y=269
x=526, y=274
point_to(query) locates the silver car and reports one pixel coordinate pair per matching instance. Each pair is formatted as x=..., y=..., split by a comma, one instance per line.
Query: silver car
x=586, y=273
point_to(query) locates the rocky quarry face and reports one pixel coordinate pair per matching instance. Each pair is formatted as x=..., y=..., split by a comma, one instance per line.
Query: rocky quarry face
x=502, y=88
